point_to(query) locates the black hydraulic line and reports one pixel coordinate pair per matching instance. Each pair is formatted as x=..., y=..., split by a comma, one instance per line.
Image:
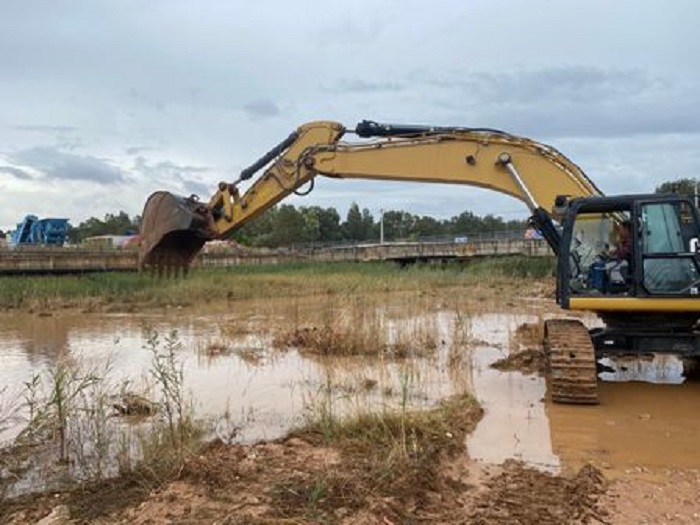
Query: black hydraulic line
x=542, y=221
x=369, y=128
x=269, y=156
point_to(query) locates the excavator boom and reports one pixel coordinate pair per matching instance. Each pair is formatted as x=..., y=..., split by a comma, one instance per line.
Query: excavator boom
x=175, y=228
x=647, y=296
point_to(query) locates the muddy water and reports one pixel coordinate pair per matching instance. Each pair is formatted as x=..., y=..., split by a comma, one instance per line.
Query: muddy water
x=254, y=392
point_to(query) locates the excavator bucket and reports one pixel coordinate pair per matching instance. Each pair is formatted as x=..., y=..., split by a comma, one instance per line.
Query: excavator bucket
x=173, y=231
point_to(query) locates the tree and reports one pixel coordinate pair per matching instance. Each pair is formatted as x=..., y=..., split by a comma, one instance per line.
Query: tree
x=311, y=231
x=367, y=225
x=329, y=224
x=425, y=226
x=685, y=187
x=354, y=227
x=119, y=224
x=465, y=222
x=287, y=226
x=398, y=224
x=257, y=232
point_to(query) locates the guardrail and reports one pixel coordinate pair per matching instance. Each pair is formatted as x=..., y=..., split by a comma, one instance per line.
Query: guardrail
x=74, y=260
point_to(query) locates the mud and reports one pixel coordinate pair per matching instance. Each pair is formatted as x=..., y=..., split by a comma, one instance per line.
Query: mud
x=524, y=495
x=644, y=498
x=526, y=461
x=530, y=361
x=295, y=481
x=526, y=352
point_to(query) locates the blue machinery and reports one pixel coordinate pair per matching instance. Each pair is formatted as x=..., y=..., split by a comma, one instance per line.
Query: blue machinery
x=33, y=230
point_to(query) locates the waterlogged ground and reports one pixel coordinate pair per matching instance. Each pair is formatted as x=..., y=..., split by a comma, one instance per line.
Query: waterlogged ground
x=251, y=385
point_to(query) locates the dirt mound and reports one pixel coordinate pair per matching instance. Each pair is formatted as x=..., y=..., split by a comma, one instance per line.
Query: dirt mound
x=297, y=481
x=527, y=355
x=381, y=468
x=530, y=361
x=529, y=335
x=523, y=495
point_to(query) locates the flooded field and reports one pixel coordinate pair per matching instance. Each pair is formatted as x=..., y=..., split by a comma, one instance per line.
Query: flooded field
x=238, y=377
x=250, y=378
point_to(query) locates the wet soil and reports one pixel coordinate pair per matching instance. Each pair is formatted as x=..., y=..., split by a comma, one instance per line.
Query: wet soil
x=519, y=494
x=633, y=459
x=644, y=498
x=527, y=354
x=297, y=481
x=280, y=482
x=529, y=361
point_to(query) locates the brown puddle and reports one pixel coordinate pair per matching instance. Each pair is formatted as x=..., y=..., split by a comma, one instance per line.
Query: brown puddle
x=255, y=392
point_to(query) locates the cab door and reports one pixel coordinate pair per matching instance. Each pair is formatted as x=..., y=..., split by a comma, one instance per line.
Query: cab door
x=667, y=240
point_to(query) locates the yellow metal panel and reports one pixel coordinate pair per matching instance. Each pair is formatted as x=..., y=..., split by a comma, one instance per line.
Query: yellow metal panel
x=454, y=157
x=633, y=304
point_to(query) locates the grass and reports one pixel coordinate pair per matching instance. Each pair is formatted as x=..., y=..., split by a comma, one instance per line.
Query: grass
x=535, y=267
x=395, y=455
x=361, y=326
x=125, y=290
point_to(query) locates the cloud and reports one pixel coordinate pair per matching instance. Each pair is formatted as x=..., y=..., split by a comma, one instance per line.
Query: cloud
x=236, y=81
x=573, y=83
x=165, y=168
x=16, y=172
x=68, y=166
x=168, y=173
x=137, y=150
x=262, y=108
x=358, y=85
x=197, y=188
x=46, y=129
x=572, y=101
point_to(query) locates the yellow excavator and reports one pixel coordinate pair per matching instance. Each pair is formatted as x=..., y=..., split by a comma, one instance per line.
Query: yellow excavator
x=632, y=259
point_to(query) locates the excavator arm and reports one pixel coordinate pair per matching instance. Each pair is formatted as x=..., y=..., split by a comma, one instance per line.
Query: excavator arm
x=174, y=228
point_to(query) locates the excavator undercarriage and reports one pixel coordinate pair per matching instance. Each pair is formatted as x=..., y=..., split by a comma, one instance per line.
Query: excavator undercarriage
x=571, y=361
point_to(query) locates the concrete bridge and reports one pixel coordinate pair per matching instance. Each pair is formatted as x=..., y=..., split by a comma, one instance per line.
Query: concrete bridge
x=51, y=260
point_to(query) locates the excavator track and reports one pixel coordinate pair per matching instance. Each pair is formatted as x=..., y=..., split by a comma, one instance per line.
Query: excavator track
x=572, y=363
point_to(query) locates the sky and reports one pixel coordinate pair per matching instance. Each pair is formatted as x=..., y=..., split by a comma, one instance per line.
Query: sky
x=102, y=103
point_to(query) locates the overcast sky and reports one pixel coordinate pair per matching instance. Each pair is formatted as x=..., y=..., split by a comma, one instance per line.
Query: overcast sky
x=103, y=102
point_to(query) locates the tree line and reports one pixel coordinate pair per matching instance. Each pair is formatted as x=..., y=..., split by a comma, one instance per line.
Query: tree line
x=112, y=224
x=286, y=224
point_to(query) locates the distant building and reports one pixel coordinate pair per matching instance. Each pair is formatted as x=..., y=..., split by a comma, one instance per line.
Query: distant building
x=112, y=241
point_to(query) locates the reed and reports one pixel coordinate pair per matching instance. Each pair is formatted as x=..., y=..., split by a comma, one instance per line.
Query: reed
x=71, y=428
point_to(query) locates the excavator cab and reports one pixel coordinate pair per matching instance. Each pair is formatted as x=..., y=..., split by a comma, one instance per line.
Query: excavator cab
x=630, y=247
x=633, y=260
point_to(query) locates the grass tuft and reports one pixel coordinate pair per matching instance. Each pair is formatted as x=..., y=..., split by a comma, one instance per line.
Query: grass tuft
x=382, y=454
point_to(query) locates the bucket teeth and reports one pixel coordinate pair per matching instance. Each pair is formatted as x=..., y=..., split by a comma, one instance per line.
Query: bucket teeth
x=164, y=265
